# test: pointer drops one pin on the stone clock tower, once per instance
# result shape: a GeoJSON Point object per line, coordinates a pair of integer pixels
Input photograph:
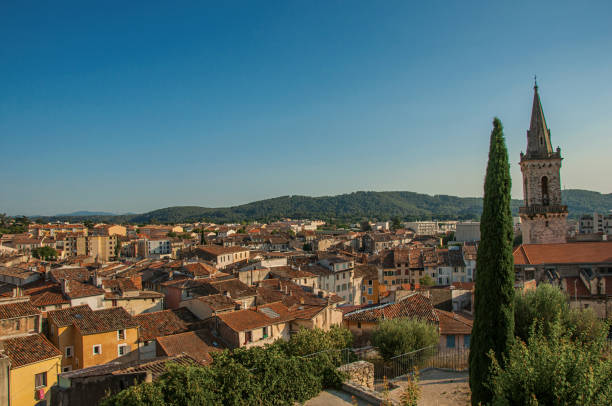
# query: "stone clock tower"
{"type": "Point", "coordinates": [543, 217]}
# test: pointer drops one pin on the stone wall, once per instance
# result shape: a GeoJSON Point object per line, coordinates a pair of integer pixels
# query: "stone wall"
{"type": "Point", "coordinates": [360, 373]}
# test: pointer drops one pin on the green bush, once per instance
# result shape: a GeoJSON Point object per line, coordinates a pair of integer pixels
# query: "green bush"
{"type": "Point", "coordinates": [553, 369]}
{"type": "Point", "coordinates": [398, 336]}
{"type": "Point", "coordinates": [548, 305]}
{"type": "Point", "coordinates": [276, 374]}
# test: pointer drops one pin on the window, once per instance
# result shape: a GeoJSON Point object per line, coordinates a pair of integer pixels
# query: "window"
{"type": "Point", "coordinates": [248, 337]}
{"type": "Point", "coordinates": [97, 349]}
{"type": "Point", "coordinates": [68, 351]}
{"type": "Point", "coordinates": [369, 291]}
{"type": "Point", "coordinates": [122, 349]}
{"type": "Point", "coordinates": [66, 368]}
{"type": "Point", "coordinates": [466, 341]}
{"type": "Point", "coordinates": [18, 325]}
{"type": "Point", "coordinates": [264, 332]}
{"type": "Point", "coordinates": [358, 324]}
{"type": "Point", "coordinates": [450, 341]}
{"type": "Point", "coordinates": [40, 380]}
{"type": "Point", "coordinates": [120, 334]}
{"type": "Point", "coordinates": [370, 282]}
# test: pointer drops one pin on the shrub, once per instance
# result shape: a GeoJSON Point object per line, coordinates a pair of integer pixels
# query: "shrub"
{"type": "Point", "coordinates": [398, 336]}
{"type": "Point", "coordinates": [548, 305]}
{"type": "Point", "coordinates": [276, 374]}
{"type": "Point", "coordinates": [412, 391]}
{"type": "Point", "coordinates": [553, 369]}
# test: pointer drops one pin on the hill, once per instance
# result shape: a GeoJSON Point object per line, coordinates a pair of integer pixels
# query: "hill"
{"type": "Point", "coordinates": [348, 207]}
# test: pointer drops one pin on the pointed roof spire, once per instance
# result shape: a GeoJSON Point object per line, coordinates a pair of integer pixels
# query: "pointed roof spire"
{"type": "Point", "coordinates": [538, 135]}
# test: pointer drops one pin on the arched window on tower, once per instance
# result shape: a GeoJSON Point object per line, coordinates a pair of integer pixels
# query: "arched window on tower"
{"type": "Point", "coordinates": [545, 200]}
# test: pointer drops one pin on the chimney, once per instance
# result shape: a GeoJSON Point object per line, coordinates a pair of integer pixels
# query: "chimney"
{"type": "Point", "coordinates": [65, 286]}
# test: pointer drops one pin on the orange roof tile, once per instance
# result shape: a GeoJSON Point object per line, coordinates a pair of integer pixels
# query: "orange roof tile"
{"type": "Point", "coordinates": [567, 253]}
{"type": "Point", "coordinates": [25, 350]}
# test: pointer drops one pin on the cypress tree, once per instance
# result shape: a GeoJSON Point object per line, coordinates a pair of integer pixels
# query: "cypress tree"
{"type": "Point", "coordinates": [494, 295]}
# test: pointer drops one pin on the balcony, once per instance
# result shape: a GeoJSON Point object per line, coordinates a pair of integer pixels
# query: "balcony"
{"type": "Point", "coordinates": [532, 210]}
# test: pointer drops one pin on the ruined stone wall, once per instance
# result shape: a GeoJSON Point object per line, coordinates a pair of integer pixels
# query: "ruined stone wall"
{"type": "Point", "coordinates": [360, 373]}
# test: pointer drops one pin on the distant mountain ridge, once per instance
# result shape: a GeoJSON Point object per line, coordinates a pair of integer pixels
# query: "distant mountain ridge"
{"type": "Point", "coordinates": [352, 207]}
{"type": "Point", "coordinates": [85, 213]}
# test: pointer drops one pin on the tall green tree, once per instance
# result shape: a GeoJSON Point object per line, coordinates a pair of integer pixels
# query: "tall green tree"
{"type": "Point", "coordinates": [494, 296]}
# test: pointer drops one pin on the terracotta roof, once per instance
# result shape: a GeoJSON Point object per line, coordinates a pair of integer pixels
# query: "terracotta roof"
{"type": "Point", "coordinates": [19, 309]}
{"type": "Point", "coordinates": [200, 269]}
{"type": "Point", "coordinates": [156, 366]}
{"type": "Point", "coordinates": [120, 284]}
{"type": "Point", "coordinates": [234, 287]}
{"type": "Point", "coordinates": [268, 314]}
{"type": "Point", "coordinates": [16, 272]}
{"type": "Point", "coordinates": [29, 349]}
{"type": "Point", "coordinates": [454, 323]}
{"type": "Point", "coordinates": [77, 290]}
{"type": "Point", "coordinates": [219, 302]}
{"type": "Point", "coordinates": [79, 274]}
{"type": "Point", "coordinates": [413, 306]}
{"type": "Point", "coordinates": [219, 250]}
{"type": "Point", "coordinates": [197, 344]}
{"type": "Point", "coordinates": [93, 322]}
{"type": "Point", "coordinates": [48, 298]}
{"type": "Point", "coordinates": [566, 253]}
{"type": "Point", "coordinates": [464, 285]}
{"type": "Point", "coordinates": [65, 317]}
{"type": "Point", "coordinates": [163, 323]}
{"type": "Point", "coordinates": [101, 321]}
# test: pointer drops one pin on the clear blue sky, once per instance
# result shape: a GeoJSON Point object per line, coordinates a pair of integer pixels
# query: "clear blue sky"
{"type": "Point", "coordinates": [127, 107]}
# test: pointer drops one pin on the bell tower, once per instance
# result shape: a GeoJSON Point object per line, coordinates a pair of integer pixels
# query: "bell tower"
{"type": "Point", "coordinates": [543, 217]}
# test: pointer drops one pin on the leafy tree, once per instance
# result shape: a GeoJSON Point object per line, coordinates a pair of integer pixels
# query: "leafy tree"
{"type": "Point", "coordinates": [171, 234]}
{"type": "Point", "coordinates": [365, 226]}
{"type": "Point", "coordinates": [88, 223]}
{"type": "Point", "coordinates": [426, 281]}
{"type": "Point", "coordinates": [394, 337]}
{"type": "Point", "coordinates": [396, 223]}
{"type": "Point", "coordinates": [553, 369]}
{"type": "Point", "coordinates": [494, 296]}
{"type": "Point", "coordinates": [547, 305]}
{"type": "Point", "coordinates": [307, 247]}
{"type": "Point", "coordinates": [44, 253]}
{"type": "Point", "coordinates": [270, 375]}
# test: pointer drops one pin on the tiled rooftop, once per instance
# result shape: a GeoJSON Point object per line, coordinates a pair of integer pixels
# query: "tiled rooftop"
{"type": "Point", "coordinates": [29, 349]}
{"type": "Point", "coordinates": [414, 306]}
{"type": "Point", "coordinates": [567, 253]}
{"type": "Point", "coordinates": [165, 322]}
{"type": "Point", "coordinates": [197, 344]}
{"type": "Point", "coordinates": [19, 309]}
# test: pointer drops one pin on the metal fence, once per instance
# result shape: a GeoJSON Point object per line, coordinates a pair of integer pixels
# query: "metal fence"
{"type": "Point", "coordinates": [436, 356]}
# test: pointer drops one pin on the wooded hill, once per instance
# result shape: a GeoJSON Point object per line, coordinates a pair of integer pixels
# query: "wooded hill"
{"type": "Point", "coordinates": [350, 207]}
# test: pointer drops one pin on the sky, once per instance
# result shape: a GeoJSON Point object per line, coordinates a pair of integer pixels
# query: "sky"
{"type": "Point", "coordinates": [133, 106]}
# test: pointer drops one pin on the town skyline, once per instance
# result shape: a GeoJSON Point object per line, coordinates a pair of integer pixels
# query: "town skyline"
{"type": "Point", "coordinates": [241, 104]}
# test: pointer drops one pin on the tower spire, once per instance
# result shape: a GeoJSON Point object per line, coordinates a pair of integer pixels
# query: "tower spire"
{"type": "Point", "coordinates": [538, 135]}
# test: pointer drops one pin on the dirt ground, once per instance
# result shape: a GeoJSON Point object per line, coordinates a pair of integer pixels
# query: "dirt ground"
{"type": "Point", "coordinates": [440, 388]}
